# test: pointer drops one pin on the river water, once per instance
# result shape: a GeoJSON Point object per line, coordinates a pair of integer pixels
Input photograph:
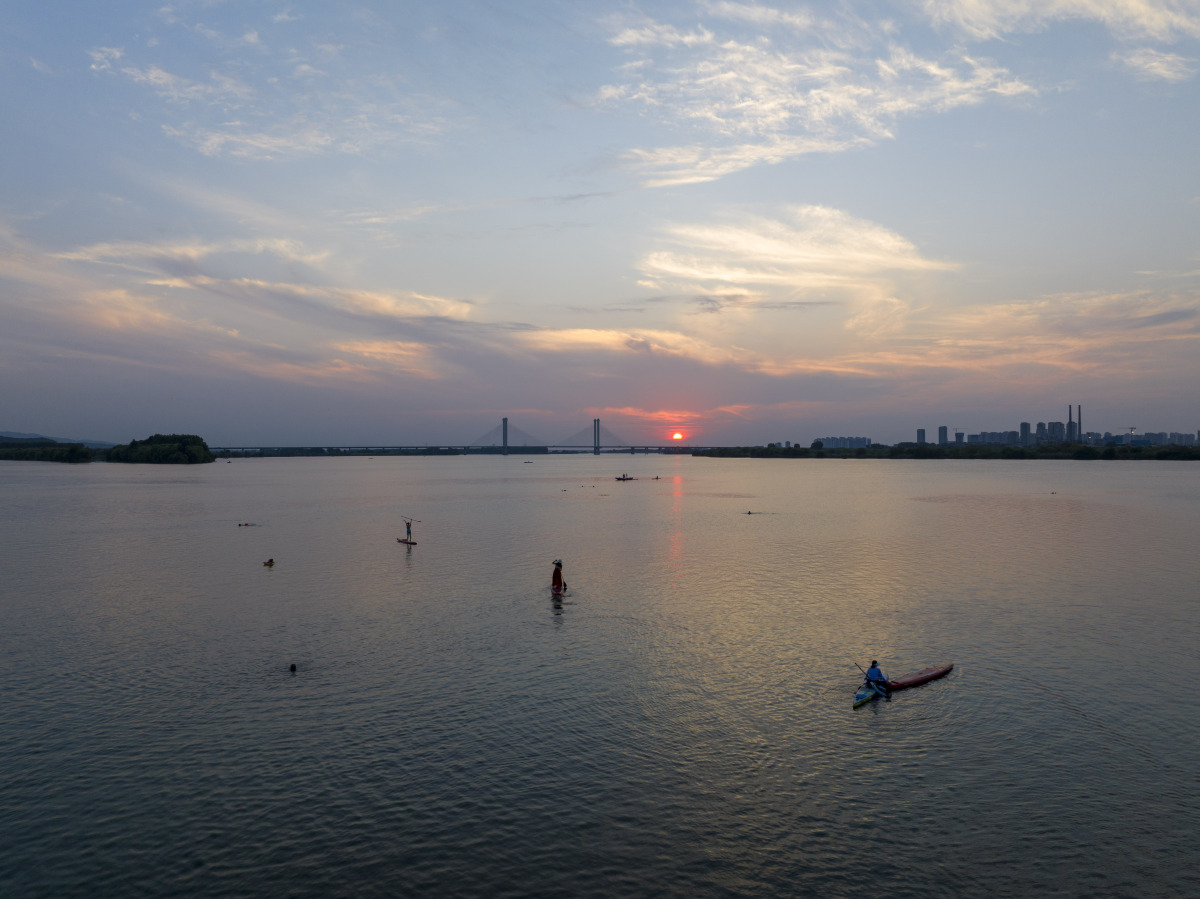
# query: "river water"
{"type": "Point", "coordinates": [679, 724]}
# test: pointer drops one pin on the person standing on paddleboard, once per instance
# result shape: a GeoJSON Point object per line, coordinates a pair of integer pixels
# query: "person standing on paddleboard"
{"type": "Point", "coordinates": [877, 677]}
{"type": "Point", "coordinates": [408, 529]}
{"type": "Point", "coordinates": [556, 579]}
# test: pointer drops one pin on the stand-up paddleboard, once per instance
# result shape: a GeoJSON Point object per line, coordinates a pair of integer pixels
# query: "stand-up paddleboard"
{"type": "Point", "coordinates": [409, 542]}
{"type": "Point", "coordinates": [924, 676]}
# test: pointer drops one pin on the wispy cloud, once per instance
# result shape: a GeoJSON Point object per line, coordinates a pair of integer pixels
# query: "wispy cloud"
{"type": "Point", "coordinates": [219, 88]}
{"type": "Point", "coordinates": [810, 247]}
{"type": "Point", "coordinates": [659, 343]}
{"type": "Point", "coordinates": [764, 101]}
{"type": "Point", "coordinates": [1130, 334]}
{"type": "Point", "coordinates": [1130, 19]}
{"type": "Point", "coordinates": [398, 357]}
{"type": "Point", "coordinates": [667, 166]}
{"type": "Point", "coordinates": [655, 34]}
{"type": "Point", "coordinates": [295, 139]}
{"type": "Point", "coordinates": [1154, 65]}
{"type": "Point", "coordinates": [768, 16]}
{"type": "Point", "coordinates": [104, 57]}
{"type": "Point", "coordinates": [204, 267]}
{"type": "Point", "coordinates": [240, 97]}
{"type": "Point", "coordinates": [155, 257]}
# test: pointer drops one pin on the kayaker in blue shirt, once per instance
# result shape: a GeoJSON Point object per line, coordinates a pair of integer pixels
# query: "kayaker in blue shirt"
{"type": "Point", "coordinates": [877, 677]}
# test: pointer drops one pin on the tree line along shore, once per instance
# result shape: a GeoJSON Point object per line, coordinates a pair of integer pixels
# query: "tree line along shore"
{"type": "Point", "coordinates": [159, 449]}
{"type": "Point", "coordinates": [970, 451]}
{"type": "Point", "coordinates": [189, 449]}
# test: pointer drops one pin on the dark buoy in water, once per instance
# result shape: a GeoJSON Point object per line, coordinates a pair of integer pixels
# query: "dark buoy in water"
{"type": "Point", "coordinates": [270, 563]}
{"type": "Point", "coordinates": [293, 667]}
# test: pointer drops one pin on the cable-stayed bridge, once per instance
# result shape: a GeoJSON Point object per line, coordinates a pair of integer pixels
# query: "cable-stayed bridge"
{"type": "Point", "coordinates": [597, 437]}
{"type": "Point", "coordinates": [500, 440]}
{"type": "Point", "coordinates": [516, 437]}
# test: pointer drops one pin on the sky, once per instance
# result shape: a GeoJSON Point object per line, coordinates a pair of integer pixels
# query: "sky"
{"type": "Point", "coordinates": [395, 223]}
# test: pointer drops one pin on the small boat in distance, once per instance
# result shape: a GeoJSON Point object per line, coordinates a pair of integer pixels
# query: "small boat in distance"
{"type": "Point", "coordinates": [626, 477]}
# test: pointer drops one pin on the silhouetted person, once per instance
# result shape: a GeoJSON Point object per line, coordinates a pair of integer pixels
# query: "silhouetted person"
{"type": "Point", "coordinates": [877, 678]}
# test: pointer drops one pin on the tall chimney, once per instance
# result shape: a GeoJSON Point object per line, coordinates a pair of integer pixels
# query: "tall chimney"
{"type": "Point", "coordinates": [1079, 420]}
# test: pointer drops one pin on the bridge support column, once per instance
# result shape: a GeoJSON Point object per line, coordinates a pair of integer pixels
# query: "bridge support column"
{"type": "Point", "coordinates": [504, 429]}
{"type": "Point", "coordinates": [595, 436]}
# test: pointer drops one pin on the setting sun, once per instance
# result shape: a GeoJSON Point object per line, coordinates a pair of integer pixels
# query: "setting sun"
{"type": "Point", "coordinates": [676, 436]}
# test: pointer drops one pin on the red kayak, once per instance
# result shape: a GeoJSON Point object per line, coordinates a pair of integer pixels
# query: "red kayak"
{"type": "Point", "coordinates": [920, 677]}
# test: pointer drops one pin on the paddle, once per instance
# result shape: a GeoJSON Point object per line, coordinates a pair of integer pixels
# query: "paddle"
{"type": "Point", "coordinates": [885, 692]}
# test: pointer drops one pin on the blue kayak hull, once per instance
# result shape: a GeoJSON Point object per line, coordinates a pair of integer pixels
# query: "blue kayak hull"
{"type": "Point", "coordinates": [866, 694]}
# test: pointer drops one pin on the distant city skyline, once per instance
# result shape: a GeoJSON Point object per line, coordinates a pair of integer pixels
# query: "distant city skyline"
{"type": "Point", "coordinates": [282, 223]}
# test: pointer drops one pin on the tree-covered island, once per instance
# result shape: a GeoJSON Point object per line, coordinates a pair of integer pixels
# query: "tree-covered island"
{"type": "Point", "coordinates": [163, 449]}
{"type": "Point", "coordinates": [160, 449]}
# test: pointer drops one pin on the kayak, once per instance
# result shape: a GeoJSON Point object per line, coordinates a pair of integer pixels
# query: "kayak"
{"type": "Point", "coordinates": [867, 692]}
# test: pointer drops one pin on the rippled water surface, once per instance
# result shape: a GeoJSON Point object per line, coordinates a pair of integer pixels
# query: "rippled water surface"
{"type": "Point", "coordinates": [679, 724]}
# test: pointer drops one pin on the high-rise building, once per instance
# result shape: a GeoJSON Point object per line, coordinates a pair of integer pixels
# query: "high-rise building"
{"type": "Point", "coordinates": [1026, 436]}
{"type": "Point", "coordinates": [943, 437]}
{"type": "Point", "coordinates": [845, 442]}
{"type": "Point", "coordinates": [920, 435]}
